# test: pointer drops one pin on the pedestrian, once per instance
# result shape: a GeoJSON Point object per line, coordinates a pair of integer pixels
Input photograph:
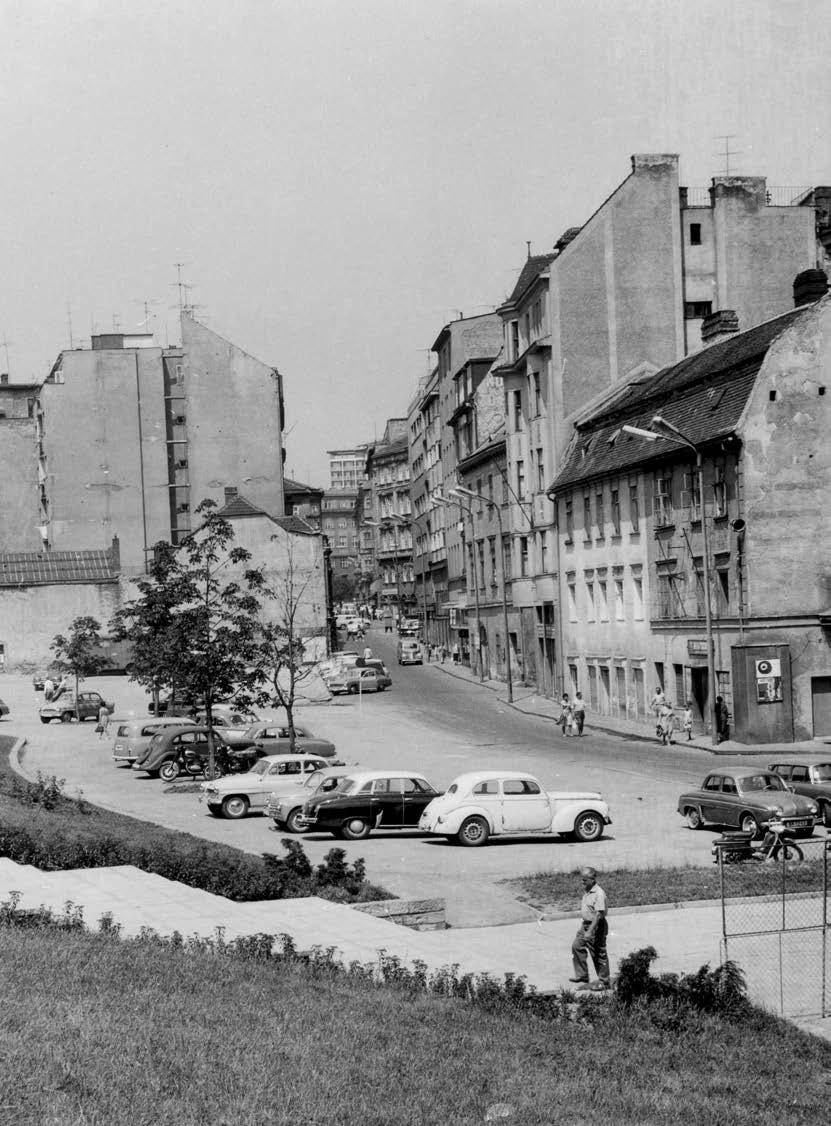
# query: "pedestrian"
{"type": "Point", "coordinates": [103, 721]}
{"type": "Point", "coordinates": [656, 703]}
{"type": "Point", "coordinates": [578, 711]}
{"type": "Point", "coordinates": [666, 722]}
{"type": "Point", "coordinates": [443, 653]}
{"type": "Point", "coordinates": [687, 722]}
{"type": "Point", "coordinates": [722, 720]}
{"type": "Point", "coordinates": [48, 688]}
{"type": "Point", "coordinates": [367, 653]}
{"type": "Point", "coordinates": [591, 935]}
{"type": "Point", "coordinates": [565, 714]}
{"type": "Point", "coordinates": [455, 652]}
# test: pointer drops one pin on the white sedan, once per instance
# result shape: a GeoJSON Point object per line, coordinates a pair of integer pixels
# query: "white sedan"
{"type": "Point", "coordinates": [235, 794]}
{"type": "Point", "coordinates": [491, 803]}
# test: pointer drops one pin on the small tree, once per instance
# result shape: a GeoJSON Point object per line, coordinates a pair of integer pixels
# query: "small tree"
{"type": "Point", "coordinates": [282, 666]}
{"type": "Point", "coordinates": [79, 653]}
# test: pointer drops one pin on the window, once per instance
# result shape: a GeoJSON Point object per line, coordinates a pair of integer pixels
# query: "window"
{"type": "Point", "coordinates": [492, 554]}
{"type": "Point", "coordinates": [537, 396]}
{"type": "Point", "coordinates": [634, 507]}
{"type": "Point", "coordinates": [589, 600]}
{"type": "Point", "coordinates": [572, 600]}
{"type": "Point", "coordinates": [543, 552]}
{"type": "Point", "coordinates": [507, 568]}
{"type": "Point", "coordinates": [587, 516]}
{"type": "Point", "coordinates": [680, 690]}
{"type": "Point", "coordinates": [615, 512]}
{"type": "Point", "coordinates": [540, 470]}
{"type": "Point", "coordinates": [514, 340]}
{"type": "Point", "coordinates": [691, 495]}
{"type": "Point", "coordinates": [490, 488]}
{"type": "Point", "coordinates": [491, 787]}
{"type": "Point", "coordinates": [666, 593]}
{"type": "Point", "coordinates": [697, 310]}
{"type": "Point", "coordinates": [719, 489]}
{"type": "Point", "coordinates": [603, 600]}
{"type": "Point", "coordinates": [517, 411]}
{"type": "Point", "coordinates": [663, 499]}
{"type": "Point", "coordinates": [522, 786]}
{"type": "Point", "coordinates": [520, 479]}
{"type": "Point", "coordinates": [523, 555]}
{"type": "Point", "coordinates": [480, 552]}
{"type": "Point", "coordinates": [569, 521]}
{"type": "Point", "coordinates": [723, 590]}
{"type": "Point", "coordinates": [618, 600]}
{"type": "Point", "coordinates": [698, 568]}
{"type": "Point", "coordinates": [600, 513]}
{"type": "Point", "coordinates": [695, 234]}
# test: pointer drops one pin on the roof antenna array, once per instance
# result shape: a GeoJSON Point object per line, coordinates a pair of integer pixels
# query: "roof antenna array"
{"type": "Point", "coordinates": [727, 138]}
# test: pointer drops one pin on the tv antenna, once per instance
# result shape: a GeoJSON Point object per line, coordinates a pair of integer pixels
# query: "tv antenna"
{"type": "Point", "coordinates": [149, 316]}
{"type": "Point", "coordinates": [180, 285]}
{"type": "Point", "coordinates": [728, 152]}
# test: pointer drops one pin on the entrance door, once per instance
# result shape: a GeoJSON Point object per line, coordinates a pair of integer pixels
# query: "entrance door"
{"type": "Point", "coordinates": [698, 686]}
{"type": "Point", "coordinates": [821, 700]}
{"type": "Point", "coordinates": [605, 694]}
{"type": "Point", "coordinates": [620, 690]}
{"type": "Point", "coordinates": [639, 692]}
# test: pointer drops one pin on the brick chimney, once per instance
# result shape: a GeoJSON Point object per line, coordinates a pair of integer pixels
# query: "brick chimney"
{"type": "Point", "coordinates": [809, 286]}
{"type": "Point", "coordinates": [230, 493]}
{"type": "Point", "coordinates": [719, 326]}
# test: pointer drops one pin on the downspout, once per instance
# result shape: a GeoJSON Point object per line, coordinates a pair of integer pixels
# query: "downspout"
{"type": "Point", "coordinates": [141, 459]}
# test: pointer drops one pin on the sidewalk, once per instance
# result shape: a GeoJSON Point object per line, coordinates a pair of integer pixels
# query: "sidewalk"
{"type": "Point", "coordinates": [528, 700]}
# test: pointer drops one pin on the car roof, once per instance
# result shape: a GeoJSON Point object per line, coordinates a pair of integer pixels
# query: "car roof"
{"type": "Point", "coordinates": [474, 776]}
{"type": "Point", "coordinates": [290, 758]}
{"type": "Point", "coordinates": [393, 772]}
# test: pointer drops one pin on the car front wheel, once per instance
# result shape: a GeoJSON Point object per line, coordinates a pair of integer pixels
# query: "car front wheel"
{"type": "Point", "coordinates": [474, 832]}
{"type": "Point", "coordinates": [45, 719]}
{"type": "Point", "coordinates": [694, 820]}
{"type": "Point", "coordinates": [295, 822]}
{"type": "Point", "coordinates": [66, 717]}
{"type": "Point", "coordinates": [235, 807]}
{"type": "Point", "coordinates": [588, 826]}
{"type": "Point", "coordinates": [355, 829]}
{"type": "Point", "coordinates": [748, 824]}
{"type": "Point", "coordinates": [169, 771]}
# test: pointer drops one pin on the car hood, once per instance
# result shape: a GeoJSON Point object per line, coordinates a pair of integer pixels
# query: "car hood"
{"type": "Point", "coordinates": [233, 783]}
{"type": "Point", "coordinates": [792, 805]}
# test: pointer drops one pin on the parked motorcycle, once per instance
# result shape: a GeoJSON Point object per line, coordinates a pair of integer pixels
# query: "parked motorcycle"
{"type": "Point", "coordinates": [775, 845]}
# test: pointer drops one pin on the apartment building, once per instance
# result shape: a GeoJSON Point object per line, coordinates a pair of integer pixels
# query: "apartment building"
{"type": "Point", "coordinates": [387, 515]}
{"type": "Point", "coordinates": [347, 468]}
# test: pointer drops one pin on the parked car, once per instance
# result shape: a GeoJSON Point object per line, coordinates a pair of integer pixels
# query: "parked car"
{"type": "Point", "coordinates": [233, 723]}
{"type": "Point", "coordinates": [68, 707]}
{"type": "Point", "coordinates": [746, 800]}
{"type": "Point", "coordinates": [183, 705]}
{"type": "Point", "coordinates": [409, 627]}
{"type": "Point", "coordinates": [410, 652]}
{"type": "Point", "coordinates": [367, 800]}
{"type": "Point", "coordinates": [486, 803]}
{"type": "Point", "coordinates": [274, 739]}
{"type": "Point", "coordinates": [132, 736]}
{"type": "Point", "coordinates": [236, 794]}
{"type": "Point", "coordinates": [357, 680]}
{"type": "Point", "coordinates": [4, 709]}
{"type": "Point", "coordinates": [812, 780]}
{"type": "Point", "coordinates": [286, 807]}
{"type": "Point", "coordinates": [178, 750]}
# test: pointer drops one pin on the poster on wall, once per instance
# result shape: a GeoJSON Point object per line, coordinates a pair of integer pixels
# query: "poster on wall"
{"type": "Point", "coordinates": [769, 681]}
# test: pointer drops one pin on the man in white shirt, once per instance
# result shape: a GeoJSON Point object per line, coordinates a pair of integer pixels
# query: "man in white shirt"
{"type": "Point", "coordinates": [591, 936]}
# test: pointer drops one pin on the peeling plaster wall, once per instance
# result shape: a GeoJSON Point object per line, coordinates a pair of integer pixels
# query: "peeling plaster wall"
{"type": "Point", "coordinates": [31, 616]}
{"type": "Point", "coordinates": [19, 493]}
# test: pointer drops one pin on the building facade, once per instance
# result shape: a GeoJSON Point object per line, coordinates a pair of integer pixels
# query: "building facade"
{"type": "Point", "coordinates": [339, 526]}
{"type": "Point", "coordinates": [386, 516]}
{"type": "Point", "coordinates": [347, 467]}
{"type": "Point", "coordinates": [644, 549]}
{"type": "Point", "coordinates": [304, 501]}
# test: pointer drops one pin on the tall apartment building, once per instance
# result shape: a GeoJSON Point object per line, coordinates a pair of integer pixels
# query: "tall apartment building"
{"type": "Point", "coordinates": [347, 468]}
{"type": "Point", "coordinates": [386, 513]}
{"type": "Point", "coordinates": [339, 525]}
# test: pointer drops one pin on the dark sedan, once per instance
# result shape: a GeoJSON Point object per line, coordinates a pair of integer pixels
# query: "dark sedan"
{"type": "Point", "coordinates": [367, 800]}
{"type": "Point", "coordinates": [176, 751]}
{"type": "Point", "coordinates": [812, 780]}
{"type": "Point", "coordinates": [274, 739]}
{"type": "Point", "coordinates": [747, 800]}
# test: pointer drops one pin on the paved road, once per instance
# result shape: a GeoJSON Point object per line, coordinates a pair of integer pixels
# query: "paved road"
{"type": "Point", "coordinates": [441, 726]}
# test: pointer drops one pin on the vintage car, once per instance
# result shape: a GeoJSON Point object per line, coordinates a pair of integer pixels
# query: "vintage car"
{"type": "Point", "coordinates": [233, 723]}
{"type": "Point", "coordinates": [747, 800]}
{"type": "Point", "coordinates": [236, 794]}
{"type": "Point", "coordinates": [409, 627]}
{"type": "Point", "coordinates": [274, 739]}
{"type": "Point", "coordinates": [812, 780]}
{"type": "Point", "coordinates": [366, 678]}
{"type": "Point", "coordinates": [410, 652]}
{"type": "Point", "coordinates": [489, 803]}
{"type": "Point", "coordinates": [178, 750]}
{"type": "Point", "coordinates": [68, 706]}
{"type": "Point", "coordinates": [286, 807]}
{"type": "Point", "coordinates": [369, 799]}
{"type": "Point", "coordinates": [132, 736]}
{"type": "Point", "coordinates": [4, 709]}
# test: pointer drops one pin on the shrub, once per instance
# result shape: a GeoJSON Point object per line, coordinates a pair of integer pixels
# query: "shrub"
{"type": "Point", "coordinates": [719, 990]}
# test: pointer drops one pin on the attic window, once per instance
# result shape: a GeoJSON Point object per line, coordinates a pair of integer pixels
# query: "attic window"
{"type": "Point", "coordinates": [716, 397]}
{"type": "Point", "coordinates": [772, 396]}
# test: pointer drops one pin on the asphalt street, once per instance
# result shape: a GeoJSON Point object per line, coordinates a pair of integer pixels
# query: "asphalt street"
{"type": "Point", "coordinates": [432, 723]}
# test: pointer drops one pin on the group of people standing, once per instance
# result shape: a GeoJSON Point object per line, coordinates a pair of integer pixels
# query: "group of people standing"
{"type": "Point", "coordinates": [573, 714]}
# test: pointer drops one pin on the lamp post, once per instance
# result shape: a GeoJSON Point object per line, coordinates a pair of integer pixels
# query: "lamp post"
{"type": "Point", "coordinates": [463, 492]}
{"type": "Point", "coordinates": [666, 430]}
{"type": "Point", "coordinates": [467, 508]}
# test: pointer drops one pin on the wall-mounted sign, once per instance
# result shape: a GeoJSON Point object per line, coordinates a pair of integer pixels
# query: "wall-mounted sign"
{"type": "Point", "coordinates": [769, 681]}
{"type": "Point", "coordinates": [696, 648]}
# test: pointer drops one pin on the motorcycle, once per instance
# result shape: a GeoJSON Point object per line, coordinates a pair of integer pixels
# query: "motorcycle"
{"type": "Point", "coordinates": [776, 844]}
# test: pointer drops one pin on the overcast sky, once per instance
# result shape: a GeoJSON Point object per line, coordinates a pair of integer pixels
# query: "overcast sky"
{"type": "Point", "coordinates": [340, 178]}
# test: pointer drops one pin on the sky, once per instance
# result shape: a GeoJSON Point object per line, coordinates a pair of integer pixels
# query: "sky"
{"type": "Point", "coordinates": [341, 178]}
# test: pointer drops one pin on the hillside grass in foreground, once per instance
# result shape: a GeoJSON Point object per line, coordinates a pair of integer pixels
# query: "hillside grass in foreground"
{"type": "Point", "coordinates": [99, 1031]}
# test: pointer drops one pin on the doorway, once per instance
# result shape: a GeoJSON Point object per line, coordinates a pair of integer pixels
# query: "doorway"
{"type": "Point", "coordinates": [700, 695]}
{"type": "Point", "coordinates": [821, 704]}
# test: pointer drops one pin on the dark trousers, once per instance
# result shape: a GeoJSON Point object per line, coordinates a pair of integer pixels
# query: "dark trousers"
{"type": "Point", "coordinates": [596, 946]}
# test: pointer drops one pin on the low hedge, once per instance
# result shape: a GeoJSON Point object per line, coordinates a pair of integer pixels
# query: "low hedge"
{"type": "Point", "coordinates": [41, 826]}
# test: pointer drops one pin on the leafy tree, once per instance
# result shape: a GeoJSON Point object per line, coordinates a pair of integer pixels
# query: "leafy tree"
{"type": "Point", "coordinates": [79, 653]}
{"type": "Point", "coordinates": [282, 666]}
{"type": "Point", "coordinates": [345, 587]}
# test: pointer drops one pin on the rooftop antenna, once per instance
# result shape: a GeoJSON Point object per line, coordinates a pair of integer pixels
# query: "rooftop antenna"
{"type": "Point", "coordinates": [69, 323]}
{"type": "Point", "coordinates": [149, 316]}
{"type": "Point", "coordinates": [179, 284]}
{"type": "Point", "coordinates": [4, 344]}
{"type": "Point", "coordinates": [727, 138]}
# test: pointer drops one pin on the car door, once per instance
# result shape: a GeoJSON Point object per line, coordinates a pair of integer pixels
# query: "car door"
{"type": "Point", "coordinates": [417, 796]}
{"type": "Point", "coordinates": [281, 776]}
{"type": "Point", "coordinates": [800, 781]}
{"type": "Point", "coordinates": [386, 803]}
{"type": "Point", "coordinates": [728, 806]}
{"type": "Point", "coordinates": [711, 795]}
{"type": "Point", "coordinates": [525, 808]}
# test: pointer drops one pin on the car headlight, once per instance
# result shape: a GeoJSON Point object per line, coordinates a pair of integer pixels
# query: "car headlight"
{"type": "Point", "coordinates": [813, 807]}
{"type": "Point", "coordinates": [440, 819]}
{"type": "Point", "coordinates": [210, 789]}
{"type": "Point", "coordinates": [776, 809]}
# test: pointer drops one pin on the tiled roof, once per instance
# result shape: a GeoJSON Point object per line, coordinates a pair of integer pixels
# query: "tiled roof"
{"type": "Point", "coordinates": [703, 395]}
{"type": "Point", "coordinates": [239, 506]}
{"type": "Point", "coordinates": [290, 486]}
{"type": "Point", "coordinates": [295, 524]}
{"type": "Point", "coordinates": [532, 269]}
{"type": "Point", "coordinates": [40, 568]}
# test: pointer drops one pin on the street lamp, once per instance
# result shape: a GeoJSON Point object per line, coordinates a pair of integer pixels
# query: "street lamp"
{"type": "Point", "coordinates": [467, 508]}
{"type": "Point", "coordinates": [463, 492]}
{"type": "Point", "coordinates": [672, 434]}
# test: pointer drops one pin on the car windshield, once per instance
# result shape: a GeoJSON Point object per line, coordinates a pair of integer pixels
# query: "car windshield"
{"type": "Point", "coordinates": [822, 772]}
{"type": "Point", "coordinates": [754, 783]}
{"type": "Point", "coordinates": [261, 767]}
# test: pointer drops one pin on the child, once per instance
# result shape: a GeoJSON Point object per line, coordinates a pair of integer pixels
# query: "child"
{"type": "Point", "coordinates": [688, 720]}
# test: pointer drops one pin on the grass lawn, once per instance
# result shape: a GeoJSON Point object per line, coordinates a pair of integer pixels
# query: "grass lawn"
{"type": "Point", "coordinates": [97, 1030]}
{"type": "Point", "coordinates": [633, 887]}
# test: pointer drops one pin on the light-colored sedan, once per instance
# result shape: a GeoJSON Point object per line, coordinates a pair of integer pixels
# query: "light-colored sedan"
{"type": "Point", "coordinates": [492, 803]}
{"type": "Point", "coordinates": [236, 794]}
{"type": "Point", "coordinates": [286, 807]}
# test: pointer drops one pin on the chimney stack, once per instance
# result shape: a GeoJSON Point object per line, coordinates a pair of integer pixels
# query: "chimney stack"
{"type": "Point", "coordinates": [230, 493]}
{"type": "Point", "coordinates": [4, 378]}
{"type": "Point", "coordinates": [719, 326]}
{"type": "Point", "coordinates": [809, 286]}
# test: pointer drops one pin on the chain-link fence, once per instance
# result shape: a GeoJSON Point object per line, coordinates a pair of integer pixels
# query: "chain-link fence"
{"type": "Point", "coordinates": [776, 922]}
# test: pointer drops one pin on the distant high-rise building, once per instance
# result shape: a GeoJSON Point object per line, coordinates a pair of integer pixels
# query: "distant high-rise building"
{"type": "Point", "coordinates": [347, 468]}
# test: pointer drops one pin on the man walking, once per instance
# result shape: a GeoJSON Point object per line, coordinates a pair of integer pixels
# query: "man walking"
{"type": "Point", "coordinates": [578, 711]}
{"type": "Point", "coordinates": [591, 937]}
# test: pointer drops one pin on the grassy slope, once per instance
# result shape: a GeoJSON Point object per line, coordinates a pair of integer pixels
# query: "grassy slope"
{"type": "Point", "coordinates": [99, 1031]}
